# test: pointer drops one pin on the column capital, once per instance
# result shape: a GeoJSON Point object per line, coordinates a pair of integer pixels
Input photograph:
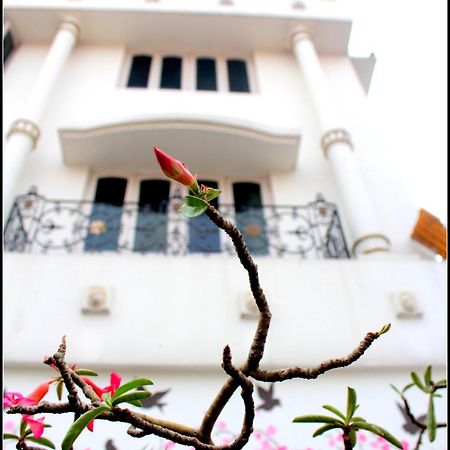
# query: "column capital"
{"type": "Point", "coordinates": [27, 127]}
{"type": "Point", "coordinates": [298, 34]}
{"type": "Point", "coordinates": [371, 243]}
{"type": "Point", "coordinates": [70, 24]}
{"type": "Point", "coordinates": [333, 136]}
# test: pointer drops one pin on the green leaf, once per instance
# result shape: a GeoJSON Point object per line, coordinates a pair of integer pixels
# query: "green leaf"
{"type": "Point", "coordinates": [353, 437]}
{"type": "Point", "coordinates": [10, 436]}
{"type": "Point", "coordinates": [59, 389]}
{"type": "Point", "coordinates": [86, 372]}
{"type": "Point", "coordinates": [334, 410]}
{"type": "Point", "coordinates": [131, 396]}
{"type": "Point", "coordinates": [138, 382]}
{"type": "Point", "coordinates": [23, 428]}
{"type": "Point", "coordinates": [358, 419]}
{"type": "Point", "coordinates": [408, 386]}
{"type": "Point", "coordinates": [79, 425]}
{"type": "Point", "coordinates": [211, 194]}
{"type": "Point", "coordinates": [441, 384]}
{"type": "Point", "coordinates": [375, 429]}
{"type": "Point", "coordinates": [324, 429]}
{"type": "Point", "coordinates": [384, 329]}
{"type": "Point", "coordinates": [135, 403]}
{"type": "Point", "coordinates": [43, 441]}
{"type": "Point", "coordinates": [431, 420]}
{"type": "Point", "coordinates": [316, 418]}
{"type": "Point", "coordinates": [418, 382]}
{"type": "Point", "coordinates": [193, 206]}
{"type": "Point", "coordinates": [427, 376]}
{"type": "Point", "coordinates": [351, 403]}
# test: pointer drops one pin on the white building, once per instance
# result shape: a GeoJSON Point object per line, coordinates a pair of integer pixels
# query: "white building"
{"type": "Point", "coordinates": [262, 98]}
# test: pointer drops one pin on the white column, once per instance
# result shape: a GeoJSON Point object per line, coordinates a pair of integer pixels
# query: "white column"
{"type": "Point", "coordinates": [24, 133]}
{"type": "Point", "coordinates": [338, 148]}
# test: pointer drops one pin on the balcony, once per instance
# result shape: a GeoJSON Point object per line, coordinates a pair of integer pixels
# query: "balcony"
{"type": "Point", "coordinates": [40, 225]}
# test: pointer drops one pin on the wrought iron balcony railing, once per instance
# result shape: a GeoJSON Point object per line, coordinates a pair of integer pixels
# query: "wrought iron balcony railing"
{"type": "Point", "coordinates": [40, 225]}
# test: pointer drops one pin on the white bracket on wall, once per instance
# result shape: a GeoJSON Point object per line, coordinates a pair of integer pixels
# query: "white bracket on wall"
{"type": "Point", "coordinates": [406, 305]}
{"type": "Point", "coordinates": [248, 307]}
{"type": "Point", "coordinates": [98, 300]}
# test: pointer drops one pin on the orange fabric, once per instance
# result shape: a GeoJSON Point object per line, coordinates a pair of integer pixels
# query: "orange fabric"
{"type": "Point", "coordinates": [431, 233]}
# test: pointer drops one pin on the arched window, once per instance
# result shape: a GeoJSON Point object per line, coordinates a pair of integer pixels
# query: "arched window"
{"type": "Point", "coordinates": [250, 216]}
{"type": "Point", "coordinates": [171, 73]}
{"type": "Point", "coordinates": [139, 72]}
{"type": "Point", "coordinates": [206, 74]}
{"type": "Point", "coordinates": [237, 75]}
{"type": "Point", "coordinates": [106, 215]}
{"type": "Point", "coordinates": [8, 45]}
{"type": "Point", "coordinates": [151, 226]}
{"type": "Point", "coordinates": [203, 234]}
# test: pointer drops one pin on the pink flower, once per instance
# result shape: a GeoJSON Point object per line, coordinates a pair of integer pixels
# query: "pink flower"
{"type": "Point", "coordinates": [222, 425]}
{"type": "Point", "coordinates": [98, 390]}
{"type": "Point", "coordinates": [36, 425]}
{"type": "Point", "coordinates": [172, 168]}
{"type": "Point", "coordinates": [16, 398]}
{"type": "Point", "coordinates": [361, 436]}
{"type": "Point", "coordinates": [271, 430]}
{"type": "Point", "coordinates": [10, 426]}
{"type": "Point", "coordinates": [405, 445]}
{"type": "Point", "coordinates": [169, 445]}
{"type": "Point", "coordinates": [114, 383]}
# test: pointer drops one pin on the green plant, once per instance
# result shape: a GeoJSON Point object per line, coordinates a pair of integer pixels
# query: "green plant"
{"type": "Point", "coordinates": [348, 423]}
{"type": "Point", "coordinates": [429, 387]}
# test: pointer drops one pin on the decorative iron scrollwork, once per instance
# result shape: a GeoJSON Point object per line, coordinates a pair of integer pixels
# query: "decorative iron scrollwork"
{"type": "Point", "coordinates": [40, 225]}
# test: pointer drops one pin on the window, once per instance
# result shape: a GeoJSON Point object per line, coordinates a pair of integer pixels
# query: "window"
{"type": "Point", "coordinates": [151, 227]}
{"type": "Point", "coordinates": [250, 216]}
{"type": "Point", "coordinates": [139, 72]}
{"type": "Point", "coordinates": [206, 74]}
{"type": "Point", "coordinates": [171, 73]}
{"type": "Point", "coordinates": [106, 215]}
{"type": "Point", "coordinates": [8, 45]}
{"type": "Point", "coordinates": [237, 75]}
{"type": "Point", "coordinates": [190, 73]}
{"type": "Point", "coordinates": [203, 234]}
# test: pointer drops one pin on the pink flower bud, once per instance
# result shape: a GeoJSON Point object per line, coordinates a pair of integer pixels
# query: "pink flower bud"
{"type": "Point", "coordinates": [172, 168]}
{"type": "Point", "coordinates": [38, 394]}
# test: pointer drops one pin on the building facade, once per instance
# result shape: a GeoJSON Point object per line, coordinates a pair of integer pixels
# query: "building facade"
{"type": "Point", "coordinates": [262, 100]}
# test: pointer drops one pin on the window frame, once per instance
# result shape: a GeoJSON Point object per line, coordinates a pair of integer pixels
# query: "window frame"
{"type": "Point", "coordinates": [189, 71]}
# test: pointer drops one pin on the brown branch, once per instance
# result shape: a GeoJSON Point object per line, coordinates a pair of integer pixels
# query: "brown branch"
{"type": "Point", "coordinates": [58, 360]}
{"type": "Point", "coordinates": [87, 390]}
{"type": "Point", "coordinates": [46, 407]}
{"type": "Point", "coordinates": [247, 391]}
{"type": "Point", "coordinates": [311, 373]}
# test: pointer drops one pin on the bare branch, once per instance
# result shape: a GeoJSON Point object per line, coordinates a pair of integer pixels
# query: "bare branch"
{"type": "Point", "coordinates": [299, 372]}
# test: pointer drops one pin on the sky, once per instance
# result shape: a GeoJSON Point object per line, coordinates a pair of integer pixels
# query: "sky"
{"type": "Point", "coordinates": [408, 93]}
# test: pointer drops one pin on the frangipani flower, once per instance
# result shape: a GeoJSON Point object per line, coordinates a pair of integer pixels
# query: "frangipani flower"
{"type": "Point", "coordinates": [36, 425]}
{"type": "Point", "coordinates": [172, 168]}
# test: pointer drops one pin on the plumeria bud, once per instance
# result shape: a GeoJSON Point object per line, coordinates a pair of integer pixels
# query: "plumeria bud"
{"type": "Point", "coordinates": [172, 168]}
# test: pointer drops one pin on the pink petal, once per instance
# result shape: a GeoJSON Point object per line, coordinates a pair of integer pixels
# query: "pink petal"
{"type": "Point", "coordinates": [271, 430]}
{"type": "Point", "coordinates": [222, 425]}
{"type": "Point", "coordinates": [405, 445]}
{"type": "Point", "coordinates": [169, 445]}
{"type": "Point", "coordinates": [115, 380]}
{"type": "Point", "coordinates": [36, 426]}
{"type": "Point", "coordinates": [90, 426]}
{"type": "Point", "coordinates": [10, 426]}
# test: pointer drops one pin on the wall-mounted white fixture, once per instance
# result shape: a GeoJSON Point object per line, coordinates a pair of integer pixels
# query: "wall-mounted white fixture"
{"type": "Point", "coordinates": [98, 300]}
{"type": "Point", "coordinates": [248, 307]}
{"type": "Point", "coordinates": [406, 305]}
